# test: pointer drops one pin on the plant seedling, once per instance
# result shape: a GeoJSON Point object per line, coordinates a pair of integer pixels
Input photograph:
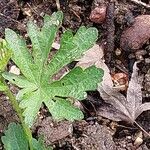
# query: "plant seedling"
{"type": "Point", "coordinates": [36, 80]}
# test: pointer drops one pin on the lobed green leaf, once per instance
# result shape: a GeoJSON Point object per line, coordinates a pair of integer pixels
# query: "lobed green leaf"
{"type": "Point", "coordinates": [2, 87]}
{"type": "Point", "coordinates": [43, 38]}
{"type": "Point", "coordinates": [21, 55]}
{"type": "Point", "coordinates": [5, 54]}
{"type": "Point", "coordinates": [63, 109]}
{"type": "Point", "coordinates": [15, 138]}
{"type": "Point", "coordinates": [72, 47]}
{"type": "Point", "coordinates": [36, 83]}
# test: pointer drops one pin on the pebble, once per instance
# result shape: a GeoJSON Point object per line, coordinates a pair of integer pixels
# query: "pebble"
{"type": "Point", "coordinates": [139, 139]}
{"type": "Point", "coordinates": [135, 36]}
{"type": "Point", "coordinates": [98, 14]}
{"type": "Point", "coordinates": [147, 60]}
{"type": "Point", "coordinates": [14, 70]}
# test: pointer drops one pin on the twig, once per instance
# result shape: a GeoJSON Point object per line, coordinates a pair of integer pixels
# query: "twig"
{"type": "Point", "coordinates": [141, 3]}
{"type": "Point", "coordinates": [142, 128]}
{"type": "Point", "coordinates": [58, 4]}
{"type": "Point", "coordinates": [76, 15]}
{"type": "Point", "coordinates": [33, 10]}
{"type": "Point", "coordinates": [110, 34]}
{"type": "Point", "coordinates": [131, 128]}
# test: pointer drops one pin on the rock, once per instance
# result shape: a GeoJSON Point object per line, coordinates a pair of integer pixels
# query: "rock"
{"type": "Point", "coordinates": [15, 70]}
{"type": "Point", "coordinates": [139, 139]}
{"type": "Point", "coordinates": [98, 14]}
{"type": "Point", "coordinates": [137, 34]}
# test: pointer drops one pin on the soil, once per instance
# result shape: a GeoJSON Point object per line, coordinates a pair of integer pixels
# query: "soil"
{"type": "Point", "coordinates": [94, 132]}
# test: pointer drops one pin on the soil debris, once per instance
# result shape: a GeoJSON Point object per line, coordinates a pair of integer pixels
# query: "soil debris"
{"type": "Point", "coordinates": [95, 137]}
{"type": "Point", "coordinates": [7, 114]}
{"type": "Point", "coordinates": [9, 12]}
{"type": "Point", "coordinates": [53, 132]}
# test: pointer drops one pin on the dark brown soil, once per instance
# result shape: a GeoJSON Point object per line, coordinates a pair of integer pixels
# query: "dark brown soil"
{"type": "Point", "coordinates": [94, 132]}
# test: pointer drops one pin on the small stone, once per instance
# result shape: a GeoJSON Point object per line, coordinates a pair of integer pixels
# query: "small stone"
{"type": "Point", "coordinates": [135, 36]}
{"type": "Point", "coordinates": [118, 52]}
{"type": "Point", "coordinates": [129, 137]}
{"type": "Point", "coordinates": [14, 70]}
{"type": "Point", "coordinates": [139, 139]}
{"type": "Point", "coordinates": [56, 45]}
{"type": "Point", "coordinates": [98, 14]}
{"type": "Point", "coordinates": [147, 60]}
{"type": "Point", "coordinates": [7, 97]}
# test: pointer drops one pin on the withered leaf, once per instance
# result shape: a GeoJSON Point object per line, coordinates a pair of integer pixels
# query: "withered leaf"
{"type": "Point", "coordinates": [95, 56]}
{"type": "Point", "coordinates": [130, 107]}
{"type": "Point", "coordinates": [117, 106]}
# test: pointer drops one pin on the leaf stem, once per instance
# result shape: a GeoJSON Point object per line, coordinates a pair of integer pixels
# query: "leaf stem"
{"type": "Point", "coordinates": [18, 110]}
{"type": "Point", "coordinates": [142, 128]}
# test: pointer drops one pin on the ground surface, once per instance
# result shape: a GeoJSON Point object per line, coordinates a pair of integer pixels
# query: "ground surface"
{"type": "Point", "coordinates": [94, 132]}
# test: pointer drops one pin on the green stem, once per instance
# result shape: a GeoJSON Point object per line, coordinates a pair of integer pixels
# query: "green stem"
{"type": "Point", "coordinates": [16, 107]}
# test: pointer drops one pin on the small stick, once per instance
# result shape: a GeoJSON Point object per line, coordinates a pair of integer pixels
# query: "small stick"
{"type": "Point", "coordinates": [33, 9]}
{"type": "Point", "coordinates": [142, 128]}
{"type": "Point", "coordinates": [110, 33]}
{"type": "Point", "coordinates": [141, 3]}
{"type": "Point", "coordinates": [58, 4]}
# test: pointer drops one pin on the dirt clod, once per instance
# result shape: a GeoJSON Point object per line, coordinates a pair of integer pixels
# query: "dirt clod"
{"type": "Point", "coordinates": [136, 35]}
{"type": "Point", "coordinates": [53, 132]}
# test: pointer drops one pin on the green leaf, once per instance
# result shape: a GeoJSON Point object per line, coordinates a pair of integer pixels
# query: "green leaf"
{"type": "Point", "coordinates": [31, 103]}
{"type": "Point", "coordinates": [72, 47]}
{"type": "Point", "coordinates": [2, 87]}
{"type": "Point", "coordinates": [21, 55]}
{"type": "Point", "coordinates": [15, 138]}
{"type": "Point", "coordinates": [39, 145]}
{"type": "Point", "coordinates": [19, 80]}
{"type": "Point", "coordinates": [36, 83]}
{"type": "Point", "coordinates": [42, 39]}
{"type": "Point", "coordinates": [75, 83]}
{"type": "Point", "coordinates": [5, 54]}
{"type": "Point", "coordinates": [63, 109]}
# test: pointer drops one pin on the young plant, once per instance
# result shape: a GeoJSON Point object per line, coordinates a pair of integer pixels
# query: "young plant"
{"type": "Point", "coordinates": [36, 81]}
{"type": "Point", "coordinates": [16, 139]}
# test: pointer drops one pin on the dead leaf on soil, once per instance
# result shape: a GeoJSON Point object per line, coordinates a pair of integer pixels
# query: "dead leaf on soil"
{"type": "Point", "coordinates": [117, 107]}
{"type": "Point", "coordinates": [95, 56]}
{"type": "Point", "coordinates": [129, 108]}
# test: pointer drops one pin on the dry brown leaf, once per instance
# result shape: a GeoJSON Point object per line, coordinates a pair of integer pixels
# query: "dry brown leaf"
{"type": "Point", "coordinates": [91, 57]}
{"type": "Point", "coordinates": [95, 56]}
{"type": "Point", "coordinates": [117, 107]}
{"type": "Point", "coordinates": [129, 108]}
